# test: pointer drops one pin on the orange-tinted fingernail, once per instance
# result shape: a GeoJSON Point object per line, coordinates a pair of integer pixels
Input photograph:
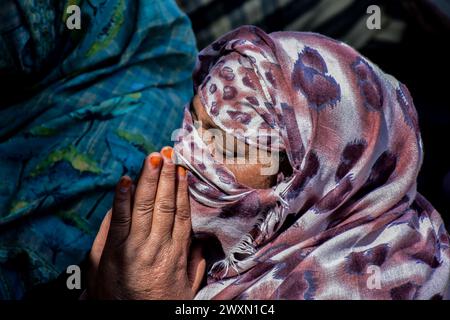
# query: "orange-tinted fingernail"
{"type": "Point", "coordinates": [167, 152]}
{"type": "Point", "coordinates": [125, 184]}
{"type": "Point", "coordinates": [155, 160]}
{"type": "Point", "coordinates": [181, 171]}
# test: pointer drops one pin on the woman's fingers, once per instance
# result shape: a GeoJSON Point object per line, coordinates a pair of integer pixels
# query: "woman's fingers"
{"type": "Point", "coordinates": [144, 197]}
{"type": "Point", "coordinates": [182, 225]}
{"type": "Point", "coordinates": [97, 250]}
{"type": "Point", "coordinates": [100, 240]}
{"type": "Point", "coordinates": [161, 205]}
{"type": "Point", "coordinates": [163, 216]}
{"type": "Point", "coordinates": [121, 213]}
{"type": "Point", "coordinates": [181, 233]}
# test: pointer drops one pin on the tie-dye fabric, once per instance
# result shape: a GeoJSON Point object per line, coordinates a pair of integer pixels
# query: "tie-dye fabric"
{"type": "Point", "coordinates": [84, 107]}
{"type": "Point", "coordinates": [348, 222]}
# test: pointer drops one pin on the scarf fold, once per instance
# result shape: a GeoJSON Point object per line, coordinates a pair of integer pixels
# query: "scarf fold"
{"type": "Point", "coordinates": [347, 223]}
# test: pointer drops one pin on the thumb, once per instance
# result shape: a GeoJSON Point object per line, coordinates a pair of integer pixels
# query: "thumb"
{"type": "Point", "coordinates": [100, 240]}
{"type": "Point", "coordinates": [196, 267]}
{"type": "Point", "coordinates": [96, 252]}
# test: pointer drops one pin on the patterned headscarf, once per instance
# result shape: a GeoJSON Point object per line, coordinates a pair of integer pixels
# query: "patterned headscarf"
{"type": "Point", "coordinates": [347, 222]}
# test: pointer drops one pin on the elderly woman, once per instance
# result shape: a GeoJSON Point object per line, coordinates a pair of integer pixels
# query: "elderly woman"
{"type": "Point", "coordinates": [340, 218]}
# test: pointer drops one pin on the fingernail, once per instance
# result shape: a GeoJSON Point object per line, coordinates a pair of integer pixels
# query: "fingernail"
{"type": "Point", "coordinates": [155, 160]}
{"type": "Point", "coordinates": [167, 152]}
{"type": "Point", "coordinates": [181, 171]}
{"type": "Point", "coordinates": [125, 184]}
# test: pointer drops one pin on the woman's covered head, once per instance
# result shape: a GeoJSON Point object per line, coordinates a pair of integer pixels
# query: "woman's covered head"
{"type": "Point", "coordinates": [348, 133]}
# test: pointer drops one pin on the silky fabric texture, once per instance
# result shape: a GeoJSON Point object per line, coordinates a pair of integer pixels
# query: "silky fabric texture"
{"type": "Point", "coordinates": [348, 222]}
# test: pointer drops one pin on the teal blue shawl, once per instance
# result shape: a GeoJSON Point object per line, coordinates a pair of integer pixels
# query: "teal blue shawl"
{"type": "Point", "coordinates": [81, 108]}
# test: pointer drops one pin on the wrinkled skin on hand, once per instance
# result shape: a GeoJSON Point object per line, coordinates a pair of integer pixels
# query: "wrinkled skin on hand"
{"type": "Point", "coordinates": [143, 249]}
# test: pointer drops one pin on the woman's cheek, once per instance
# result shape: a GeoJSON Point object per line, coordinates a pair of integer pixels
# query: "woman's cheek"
{"type": "Point", "coordinates": [250, 175]}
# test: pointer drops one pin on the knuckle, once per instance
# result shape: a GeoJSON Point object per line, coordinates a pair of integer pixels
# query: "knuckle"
{"type": "Point", "coordinates": [129, 253]}
{"type": "Point", "coordinates": [183, 214]}
{"type": "Point", "coordinates": [120, 197]}
{"type": "Point", "coordinates": [120, 219]}
{"type": "Point", "coordinates": [165, 242]}
{"type": "Point", "coordinates": [165, 206]}
{"type": "Point", "coordinates": [168, 171]}
{"type": "Point", "coordinates": [158, 247]}
{"type": "Point", "coordinates": [121, 222]}
{"type": "Point", "coordinates": [145, 206]}
{"type": "Point", "coordinates": [161, 240]}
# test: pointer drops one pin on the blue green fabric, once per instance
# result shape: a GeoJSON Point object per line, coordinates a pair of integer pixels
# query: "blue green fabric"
{"type": "Point", "coordinates": [95, 102]}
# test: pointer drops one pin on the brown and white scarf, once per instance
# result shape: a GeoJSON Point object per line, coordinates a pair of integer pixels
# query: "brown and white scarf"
{"type": "Point", "coordinates": [348, 222]}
